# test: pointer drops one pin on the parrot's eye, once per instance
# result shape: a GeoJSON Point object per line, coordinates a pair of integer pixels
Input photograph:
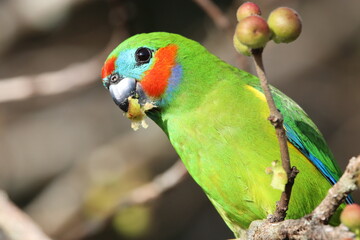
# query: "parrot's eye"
{"type": "Point", "coordinates": [143, 55]}
{"type": "Point", "coordinates": [114, 78]}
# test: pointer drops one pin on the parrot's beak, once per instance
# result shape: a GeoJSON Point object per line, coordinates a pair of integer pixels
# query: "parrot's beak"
{"type": "Point", "coordinates": [125, 88]}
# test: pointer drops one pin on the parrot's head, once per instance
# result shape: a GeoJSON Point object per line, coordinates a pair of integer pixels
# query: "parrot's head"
{"type": "Point", "coordinates": [150, 68]}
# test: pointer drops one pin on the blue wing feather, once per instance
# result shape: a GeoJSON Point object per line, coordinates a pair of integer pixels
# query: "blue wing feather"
{"type": "Point", "coordinates": [297, 142]}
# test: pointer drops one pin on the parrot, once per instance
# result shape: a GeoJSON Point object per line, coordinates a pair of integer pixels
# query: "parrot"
{"type": "Point", "coordinates": [215, 116]}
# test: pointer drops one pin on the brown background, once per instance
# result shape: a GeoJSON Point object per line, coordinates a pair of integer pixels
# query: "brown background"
{"type": "Point", "coordinates": [68, 158]}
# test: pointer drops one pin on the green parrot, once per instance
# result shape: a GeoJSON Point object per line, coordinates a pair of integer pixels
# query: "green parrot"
{"type": "Point", "coordinates": [215, 116]}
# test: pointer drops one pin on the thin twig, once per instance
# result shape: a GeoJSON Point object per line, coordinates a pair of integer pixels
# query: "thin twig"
{"type": "Point", "coordinates": [215, 13]}
{"type": "Point", "coordinates": [276, 119]}
{"type": "Point", "coordinates": [223, 22]}
{"type": "Point", "coordinates": [143, 194]}
{"type": "Point", "coordinates": [152, 190]}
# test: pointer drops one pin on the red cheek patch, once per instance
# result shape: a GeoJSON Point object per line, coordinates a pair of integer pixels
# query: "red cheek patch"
{"type": "Point", "coordinates": [108, 67]}
{"type": "Point", "coordinates": [155, 80]}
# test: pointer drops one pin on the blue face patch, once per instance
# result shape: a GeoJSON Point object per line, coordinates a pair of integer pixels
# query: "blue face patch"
{"type": "Point", "coordinates": [127, 66]}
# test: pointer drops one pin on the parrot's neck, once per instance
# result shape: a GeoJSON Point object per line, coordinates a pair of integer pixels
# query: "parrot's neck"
{"type": "Point", "coordinates": [196, 82]}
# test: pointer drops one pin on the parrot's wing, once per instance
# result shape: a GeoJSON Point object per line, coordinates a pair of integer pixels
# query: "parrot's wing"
{"type": "Point", "coordinates": [305, 136]}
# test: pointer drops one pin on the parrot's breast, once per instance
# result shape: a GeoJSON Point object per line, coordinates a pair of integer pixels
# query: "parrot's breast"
{"type": "Point", "coordinates": [226, 143]}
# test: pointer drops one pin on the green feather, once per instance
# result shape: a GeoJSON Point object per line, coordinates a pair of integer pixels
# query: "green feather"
{"type": "Point", "coordinates": [217, 122]}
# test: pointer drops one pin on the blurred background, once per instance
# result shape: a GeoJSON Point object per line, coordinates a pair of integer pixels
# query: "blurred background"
{"type": "Point", "coordinates": [70, 159]}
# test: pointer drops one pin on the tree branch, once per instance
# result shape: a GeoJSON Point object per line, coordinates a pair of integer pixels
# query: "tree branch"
{"type": "Point", "coordinates": [15, 224]}
{"type": "Point", "coordinates": [223, 22]}
{"type": "Point", "coordinates": [154, 189]}
{"type": "Point", "coordinates": [49, 83]}
{"type": "Point", "coordinates": [298, 229]}
{"type": "Point", "coordinates": [276, 119]}
{"type": "Point", "coordinates": [348, 183]}
{"type": "Point", "coordinates": [215, 13]}
{"type": "Point", "coordinates": [70, 78]}
{"type": "Point", "coordinates": [313, 225]}
{"type": "Point", "coordinates": [143, 194]}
